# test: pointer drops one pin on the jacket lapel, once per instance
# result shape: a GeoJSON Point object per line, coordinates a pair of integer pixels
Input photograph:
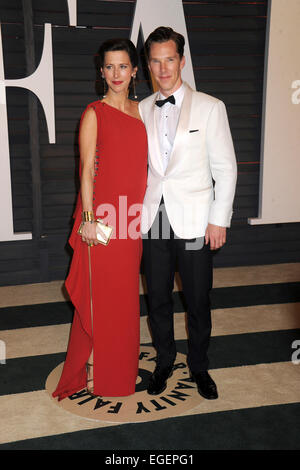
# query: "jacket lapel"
{"type": "Point", "coordinates": [153, 140]}
{"type": "Point", "coordinates": [183, 125]}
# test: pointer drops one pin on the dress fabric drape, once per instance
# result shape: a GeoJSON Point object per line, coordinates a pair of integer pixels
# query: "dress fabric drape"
{"type": "Point", "coordinates": [113, 331]}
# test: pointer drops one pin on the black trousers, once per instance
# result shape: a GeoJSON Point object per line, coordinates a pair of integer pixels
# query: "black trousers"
{"type": "Point", "coordinates": [161, 255]}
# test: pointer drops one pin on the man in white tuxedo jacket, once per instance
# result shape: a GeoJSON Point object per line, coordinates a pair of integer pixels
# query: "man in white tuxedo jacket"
{"type": "Point", "coordinates": [191, 185]}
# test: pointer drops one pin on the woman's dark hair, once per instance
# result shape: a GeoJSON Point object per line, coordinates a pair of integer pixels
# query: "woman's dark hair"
{"type": "Point", "coordinates": [118, 44]}
{"type": "Point", "coordinates": [164, 34]}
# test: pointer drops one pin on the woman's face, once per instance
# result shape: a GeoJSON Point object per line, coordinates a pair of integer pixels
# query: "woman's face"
{"type": "Point", "coordinates": [117, 70]}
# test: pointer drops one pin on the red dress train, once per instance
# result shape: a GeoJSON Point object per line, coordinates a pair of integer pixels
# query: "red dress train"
{"type": "Point", "coordinates": [119, 187]}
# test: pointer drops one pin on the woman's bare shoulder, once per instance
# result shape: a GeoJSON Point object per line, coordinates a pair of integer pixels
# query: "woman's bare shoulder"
{"type": "Point", "coordinates": [89, 113]}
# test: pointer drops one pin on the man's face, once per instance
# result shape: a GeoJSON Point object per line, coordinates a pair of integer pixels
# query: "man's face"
{"type": "Point", "coordinates": [166, 65]}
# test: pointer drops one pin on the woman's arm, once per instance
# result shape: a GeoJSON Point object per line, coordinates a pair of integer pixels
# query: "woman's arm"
{"type": "Point", "coordinates": [87, 148]}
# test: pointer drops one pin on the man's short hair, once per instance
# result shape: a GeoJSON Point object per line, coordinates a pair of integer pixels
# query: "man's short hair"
{"type": "Point", "coordinates": [164, 34]}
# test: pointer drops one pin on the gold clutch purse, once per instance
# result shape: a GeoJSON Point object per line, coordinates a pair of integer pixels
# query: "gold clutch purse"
{"type": "Point", "coordinates": [106, 229]}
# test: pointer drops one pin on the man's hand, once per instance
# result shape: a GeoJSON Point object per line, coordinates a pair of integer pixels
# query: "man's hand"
{"type": "Point", "coordinates": [215, 235]}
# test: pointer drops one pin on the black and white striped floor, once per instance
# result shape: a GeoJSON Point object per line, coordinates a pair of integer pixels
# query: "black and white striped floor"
{"type": "Point", "coordinates": [254, 359]}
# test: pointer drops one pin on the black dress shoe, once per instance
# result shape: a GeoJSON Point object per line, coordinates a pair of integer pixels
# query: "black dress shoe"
{"type": "Point", "coordinates": [158, 380]}
{"type": "Point", "coordinates": [206, 386]}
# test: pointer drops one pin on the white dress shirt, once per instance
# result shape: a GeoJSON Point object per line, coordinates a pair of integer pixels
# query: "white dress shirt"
{"type": "Point", "coordinates": [166, 118]}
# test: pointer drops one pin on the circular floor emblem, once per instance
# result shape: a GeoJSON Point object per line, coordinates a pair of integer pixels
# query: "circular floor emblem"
{"type": "Point", "coordinates": [180, 395]}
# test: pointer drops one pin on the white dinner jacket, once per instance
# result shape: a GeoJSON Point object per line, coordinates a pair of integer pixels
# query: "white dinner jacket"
{"type": "Point", "coordinates": [202, 153]}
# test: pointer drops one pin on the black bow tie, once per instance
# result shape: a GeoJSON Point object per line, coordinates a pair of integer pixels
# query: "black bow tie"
{"type": "Point", "coordinates": [170, 99]}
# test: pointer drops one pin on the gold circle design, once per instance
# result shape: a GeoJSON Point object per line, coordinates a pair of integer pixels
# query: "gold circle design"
{"type": "Point", "coordinates": [180, 396]}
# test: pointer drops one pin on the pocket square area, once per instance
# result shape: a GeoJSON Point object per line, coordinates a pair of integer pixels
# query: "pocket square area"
{"type": "Point", "coordinates": [194, 130]}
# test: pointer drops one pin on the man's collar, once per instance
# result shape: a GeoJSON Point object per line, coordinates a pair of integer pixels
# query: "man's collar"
{"type": "Point", "coordinates": [178, 94]}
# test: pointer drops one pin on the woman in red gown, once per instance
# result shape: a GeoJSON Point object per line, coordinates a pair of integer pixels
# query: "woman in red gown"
{"type": "Point", "coordinates": [103, 347]}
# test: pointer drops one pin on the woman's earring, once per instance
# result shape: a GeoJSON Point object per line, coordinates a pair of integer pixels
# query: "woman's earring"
{"type": "Point", "coordinates": [104, 86]}
{"type": "Point", "coordinates": [134, 92]}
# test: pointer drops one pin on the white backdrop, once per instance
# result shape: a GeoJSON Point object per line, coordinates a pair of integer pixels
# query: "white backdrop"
{"type": "Point", "coordinates": [280, 149]}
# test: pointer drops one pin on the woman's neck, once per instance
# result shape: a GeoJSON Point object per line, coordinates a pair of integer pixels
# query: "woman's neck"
{"type": "Point", "coordinates": [118, 101]}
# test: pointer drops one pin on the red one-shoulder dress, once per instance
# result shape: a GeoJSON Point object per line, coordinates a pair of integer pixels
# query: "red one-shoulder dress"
{"type": "Point", "coordinates": [105, 290]}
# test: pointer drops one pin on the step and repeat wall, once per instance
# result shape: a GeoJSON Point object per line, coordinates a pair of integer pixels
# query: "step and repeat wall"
{"type": "Point", "coordinates": [244, 53]}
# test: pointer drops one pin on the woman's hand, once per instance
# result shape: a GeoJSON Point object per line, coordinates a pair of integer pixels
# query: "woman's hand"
{"type": "Point", "coordinates": [89, 234]}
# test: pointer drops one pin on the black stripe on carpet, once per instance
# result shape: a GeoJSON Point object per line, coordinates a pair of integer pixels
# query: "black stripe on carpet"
{"type": "Point", "coordinates": [28, 374]}
{"type": "Point", "coordinates": [264, 428]}
{"type": "Point", "coordinates": [227, 297]}
{"type": "Point", "coordinates": [27, 316]}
